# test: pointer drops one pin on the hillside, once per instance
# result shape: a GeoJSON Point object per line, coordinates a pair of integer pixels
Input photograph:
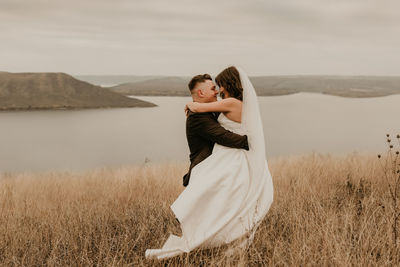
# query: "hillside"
{"type": "Point", "coordinates": [166, 86]}
{"type": "Point", "coordinates": [112, 80]}
{"type": "Point", "coordinates": [328, 211]}
{"type": "Point", "coordinates": [345, 86]}
{"type": "Point", "coordinates": [57, 91]}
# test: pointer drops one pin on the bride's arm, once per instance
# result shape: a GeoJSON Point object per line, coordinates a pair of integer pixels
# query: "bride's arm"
{"type": "Point", "coordinates": [224, 105]}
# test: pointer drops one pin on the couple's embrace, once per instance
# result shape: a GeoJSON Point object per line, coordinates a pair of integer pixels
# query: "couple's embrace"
{"type": "Point", "coordinates": [228, 187]}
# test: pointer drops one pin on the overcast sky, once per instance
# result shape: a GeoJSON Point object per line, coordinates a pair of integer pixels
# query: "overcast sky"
{"type": "Point", "coordinates": [172, 37]}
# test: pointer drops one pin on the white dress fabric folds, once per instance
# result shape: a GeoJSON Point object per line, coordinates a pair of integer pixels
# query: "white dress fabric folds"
{"type": "Point", "coordinates": [229, 193]}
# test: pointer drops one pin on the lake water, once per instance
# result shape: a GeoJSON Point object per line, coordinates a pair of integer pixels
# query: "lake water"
{"type": "Point", "coordinates": [84, 139]}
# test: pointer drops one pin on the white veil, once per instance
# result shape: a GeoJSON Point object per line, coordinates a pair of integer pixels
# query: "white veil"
{"type": "Point", "coordinates": [251, 120]}
{"type": "Point", "coordinates": [260, 191]}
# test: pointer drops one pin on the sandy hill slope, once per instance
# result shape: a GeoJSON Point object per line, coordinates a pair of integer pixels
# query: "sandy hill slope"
{"type": "Point", "coordinates": [55, 91]}
{"type": "Point", "coordinates": [346, 86]}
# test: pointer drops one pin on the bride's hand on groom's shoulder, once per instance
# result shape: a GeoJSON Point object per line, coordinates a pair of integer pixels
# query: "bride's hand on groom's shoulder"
{"type": "Point", "coordinates": [189, 107]}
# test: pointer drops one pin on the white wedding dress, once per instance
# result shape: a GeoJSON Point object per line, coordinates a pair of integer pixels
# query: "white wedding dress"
{"type": "Point", "coordinates": [229, 192]}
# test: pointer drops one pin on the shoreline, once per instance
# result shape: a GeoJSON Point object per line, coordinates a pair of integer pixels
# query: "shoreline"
{"type": "Point", "coordinates": [179, 95]}
{"type": "Point", "coordinates": [266, 95]}
{"type": "Point", "coordinates": [176, 163]}
{"type": "Point", "coordinates": [68, 108]}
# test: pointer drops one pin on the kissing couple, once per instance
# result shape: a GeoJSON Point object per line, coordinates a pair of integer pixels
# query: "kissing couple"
{"type": "Point", "coordinates": [229, 187]}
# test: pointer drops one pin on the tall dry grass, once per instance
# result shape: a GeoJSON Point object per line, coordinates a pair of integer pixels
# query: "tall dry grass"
{"type": "Point", "coordinates": [328, 210]}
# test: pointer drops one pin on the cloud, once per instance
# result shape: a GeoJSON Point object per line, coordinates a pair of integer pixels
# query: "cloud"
{"type": "Point", "coordinates": [182, 37]}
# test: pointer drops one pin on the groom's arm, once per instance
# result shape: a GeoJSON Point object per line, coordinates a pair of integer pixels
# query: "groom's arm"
{"type": "Point", "coordinates": [210, 129]}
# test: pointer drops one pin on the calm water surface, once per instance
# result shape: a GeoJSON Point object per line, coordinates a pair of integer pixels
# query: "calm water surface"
{"type": "Point", "coordinates": [84, 139]}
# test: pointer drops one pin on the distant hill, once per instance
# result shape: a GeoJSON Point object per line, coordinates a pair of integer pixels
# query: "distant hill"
{"type": "Point", "coordinates": [346, 86]}
{"type": "Point", "coordinates": [57, 91]}
{"type": "Point", "coordinates": [112, 80]}
{"type": "Point", "coordinates": [166, 86]}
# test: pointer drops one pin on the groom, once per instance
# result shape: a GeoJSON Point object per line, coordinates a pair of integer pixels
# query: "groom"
{"type": "Point", "coordinates": [203, 129]}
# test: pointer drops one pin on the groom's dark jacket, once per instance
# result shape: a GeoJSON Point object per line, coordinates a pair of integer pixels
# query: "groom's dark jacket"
{"type": "Point", "coordinates": [202, 132]}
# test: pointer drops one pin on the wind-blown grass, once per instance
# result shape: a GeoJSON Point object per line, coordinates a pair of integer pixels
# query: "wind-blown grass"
{"type": "Point", "coordinates": [327, 210]}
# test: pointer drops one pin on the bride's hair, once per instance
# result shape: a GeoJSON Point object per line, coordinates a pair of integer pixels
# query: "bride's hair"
{"type": "Point", "coordinates": [229, 78]}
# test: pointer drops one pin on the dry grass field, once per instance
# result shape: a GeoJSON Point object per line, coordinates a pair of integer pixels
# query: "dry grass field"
{"type": "Point", "coordinates": [328, 211]}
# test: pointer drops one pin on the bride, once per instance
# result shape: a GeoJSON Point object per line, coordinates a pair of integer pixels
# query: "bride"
{"type": "Point", "coordinates": [231, 191]}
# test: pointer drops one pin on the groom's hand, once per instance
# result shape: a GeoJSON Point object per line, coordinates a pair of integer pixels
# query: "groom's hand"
{"type": "Point", "coordinates": [210, 129]}
{"type": "Point", "coordinates": [246, 145]}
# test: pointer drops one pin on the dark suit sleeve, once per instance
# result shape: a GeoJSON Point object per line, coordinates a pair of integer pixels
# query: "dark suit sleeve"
{"type": "Point", "coordinates": [210, 129]}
